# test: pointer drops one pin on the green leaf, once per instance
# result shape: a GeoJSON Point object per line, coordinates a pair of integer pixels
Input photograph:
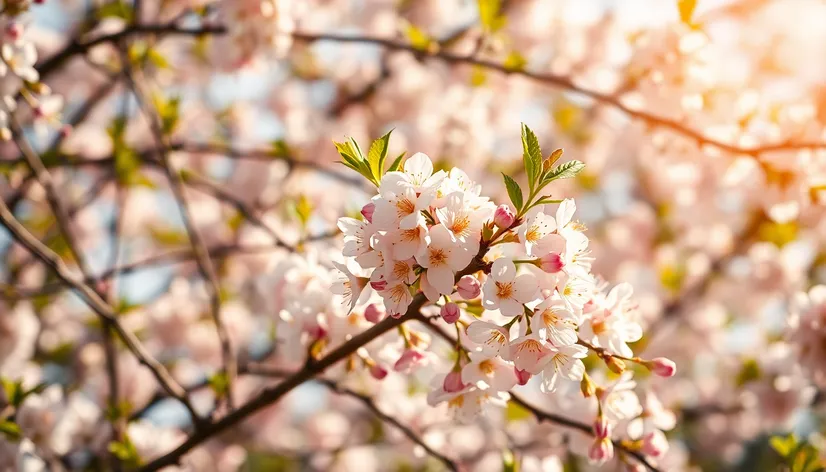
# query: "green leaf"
{"type": "Point", "coordinates": [15, 394]}
{"type": "Point", "coordinates": [547, 200]}
{"type": "Point", "coordinates": [279, 148]}
{"type": "Point", "coordinates": [10, 430]}
{"type": "Point", "coordinates": [478, 76]}
{"type": "Point", "coordinates": [219, 384]}
{"type": "Point", "coordinates": [489, 15]}
{"type": "Point", "coordinates": [303, 209]}
{"type": "Point", "coordinates": [169, 236]}
{"type": "Point", "coordinates": [169, 111]}
{"type": "Point", "coordinates": [531, 155]}
{"type": "Point", "coordinates": [515, 412]}
{"type": "Point", "coordinates": [353, 158]}
{"type": "Point", "coordinates": [783, 445]}
{"type": "Point", "coordinates": [377, 155]}
{"type": "Point", "coordinates": [514, 191]}
{"type": "Point", "coordinates": [396, 163]}
{"type": "Point", "coordinates": [515, 62]}
{"type": "Point", "coordinates": [749, 371]}
{"type": "Point", "coordinates": [565, 171]}
{"type": "Point", "coordinates": [418, 38]}
{"type": "Point", "coordinates": [509, 462]}
{"type": "Point", "coordinates": [125, 451]}
{"type": "Point", "coordinates": [157, 59]}
{"type": "Point", "coordinates": [686, 8]}
{"type": "Point", "coordinates": [118, 9]}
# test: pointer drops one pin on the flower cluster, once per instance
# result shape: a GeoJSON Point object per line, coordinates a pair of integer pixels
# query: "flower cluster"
{"type": "Point", "coordinates": [516, 284]}
{"type": "Point", "coordinates": [19, 77]}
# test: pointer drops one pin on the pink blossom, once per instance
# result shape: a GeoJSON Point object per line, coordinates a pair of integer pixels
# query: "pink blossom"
{"type": "Point", "coordinates": [450, 312]}
{"type": "Point", "coordinates": [503, 217]}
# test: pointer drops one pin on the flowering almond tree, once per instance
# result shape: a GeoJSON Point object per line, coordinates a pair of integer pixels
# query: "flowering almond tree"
{"type": "Point", "coordinates": [256, 235]}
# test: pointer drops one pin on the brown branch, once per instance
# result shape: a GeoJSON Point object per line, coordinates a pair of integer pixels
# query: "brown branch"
{"type": "Point", "coordinates": [205, 266]}
{"type": "Point", "coordinates": [174, 256]}
{"type": "Point", "coordinates": [97, 304]}
{"type": "Point", "coordinates": [76, 47]}
{"type": "Point", "coordinates": [263, 370]}
{"type": "Point", "coordinates": [567, 83]}
{"type": "Point", "coordinates": [44, 178]}
{"type": "Point", "coordinates": [221, 194]}
{"type": "Point", "coordinates": [539, 414]}
{"type": "Point", "coordinates": [311, 369]}
{"type": "Point", "coordinates": [273, 394]}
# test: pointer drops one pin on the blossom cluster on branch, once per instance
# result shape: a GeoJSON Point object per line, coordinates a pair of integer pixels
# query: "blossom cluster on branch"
{"type": "Point", "coordinates": [190, 281]}
{"type": "Point", "coordinates": [516, 283]}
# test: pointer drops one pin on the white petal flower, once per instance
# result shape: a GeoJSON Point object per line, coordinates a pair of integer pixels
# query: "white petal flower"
{"type": "Point", "coordinates": [507, 292]}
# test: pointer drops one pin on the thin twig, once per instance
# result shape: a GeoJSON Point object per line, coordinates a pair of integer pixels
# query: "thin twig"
{"type": "Point", "coordinates": [567, 83]}
{"type": "Point", "coordinates": [96, 303]}
{"type": "Point", "coordinates": [205, 266]}
{"type": "Point", "coordinates": [263, 370]}
{"type": "Point", "coordinates": [81, 47]}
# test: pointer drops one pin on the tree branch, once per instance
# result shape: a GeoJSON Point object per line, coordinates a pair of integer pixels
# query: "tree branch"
{"type": "Point", "coordinates": [567, 83]}
{"type": "Point", "coordinates": [273, 394]}
{"type": "Point", "coordinates": [263, 370]}
{"type": "Point", "coordinates": [96, 303]}
{"type": "Point", "coordinates": [205, 265]}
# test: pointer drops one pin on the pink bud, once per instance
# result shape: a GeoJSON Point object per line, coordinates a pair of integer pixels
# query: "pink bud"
{"type": "Point", "coordinates": [378, 372]}
{"type": "Point", "coordinates": [655, 444]}
{"type": "Point", "coordinates": [409, 360]}
{"type": "Point", "coordinates": [14, 30]}
{"type": "Point", "coordinates": [551, 263]}
{"type": "Point", "coordinates": [662, 366]}
{"type": "Point", "coordinates": [38, 112]}
{"type": "Point", "coordinates": [395, 315]}
{"type": "Point", "coordinates": [503, 216]}
{"type": "Point", "coordinates": [602, 429]}
{"type": "Point", "coordinates": [522, 376]}
{"type": "Point", "coordinates": [66, 131]}
{"type": "Point", "coordinates": [367, 211]}
{"type": "Point", "coordinates": [373, 313]}
{"type": "Point", "coordinates": [316, 331]}
{"type": "Point", "coordinates": [453, 382]}
{"type": "Point", "coordinates": [379, 285]}
{"type": "Point", "coordinates": [40, 2]}
{"type": "Point", "coordinates": [601, 451]}
{"type": "Point", "coordinates": [469, 287]}
{"type": "Point", "coordinates": [450, 313]}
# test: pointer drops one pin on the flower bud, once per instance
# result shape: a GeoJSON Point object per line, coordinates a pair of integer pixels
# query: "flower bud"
{"type": "Point", "coordinates": [469, 287]}
{"type": "Point", "coordinates": [522, 376]}
{"type": "Point", "coordinates": [654, 444]}
{"type": "Point", "coordinates": [316, 331]}
{"type": "Point", "coordinates": [453, 382]}
{"type": "Point", "coordinates": [450, 313]}
{"type": "Point", "coordinates": [503, 216]}
{"type": "Point", "coordinates": [14, 31]}
{"type": "Point", "coordinates": [551, 263]}
{"type": "Point", "coordinates": [616, 365]}
{"type": "Point", "coordinates": [367, 211]}
{"type": "Point", "coordinates": [395, 315]}
{"type": "Point", "coordinates": [379, 285]}
{"type": "Point", "coordinates": [373, 313]}
{"type": "Point", "coordinates": [409, 359]}
{"type": "Point", "coordinates": [662, 366]}
{"type": "Point", "coordinates": [601, 451]}
{"type": "Point", "coordinates": [602, 429]}
{"type": "Point", "coordinates": [378, 372]}
{"type": "Point", "coordinates": [587, 387]}
{"type": "Point", "coordinates": [66, 131]}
